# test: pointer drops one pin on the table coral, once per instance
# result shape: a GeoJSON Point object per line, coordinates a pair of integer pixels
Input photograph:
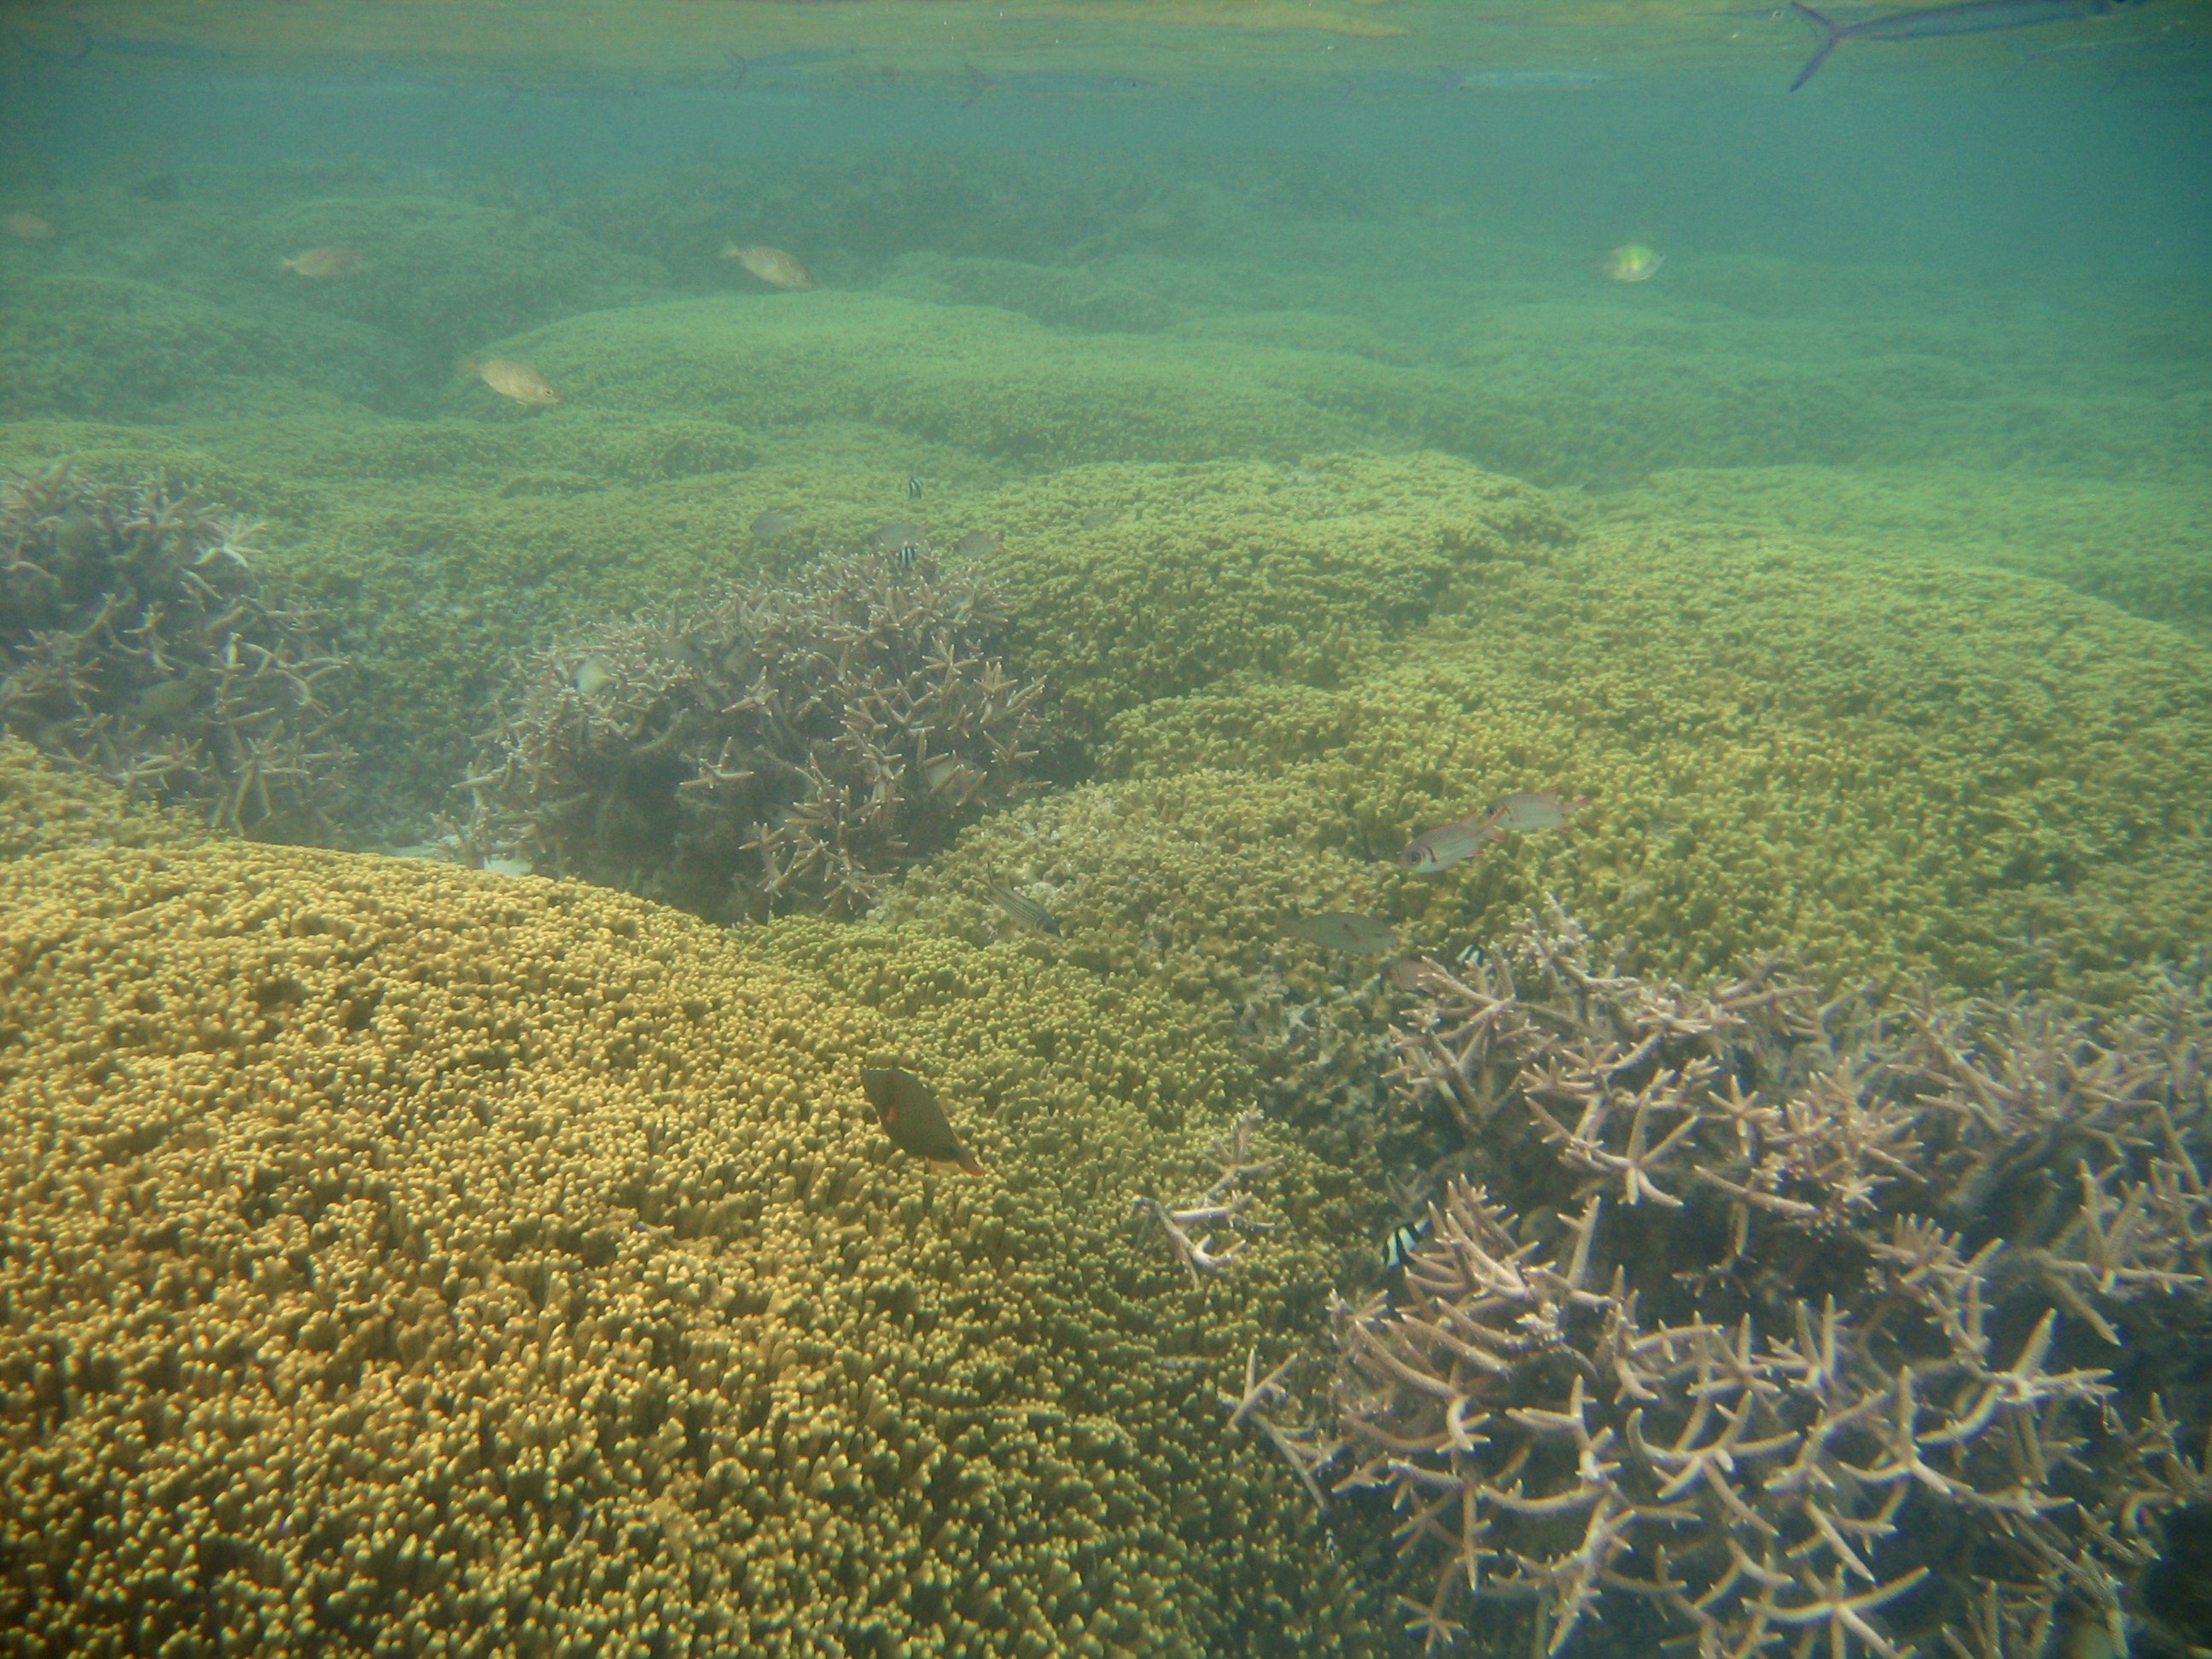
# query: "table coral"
{"type": "Point", "coordinates": [135, 643]}
{"type": "Point", "coordinates": [405, 1256]}
{"type": "Point", "coordinates": [1775, 1321]}
{"type": "Point", "coordinates": [759, 748]}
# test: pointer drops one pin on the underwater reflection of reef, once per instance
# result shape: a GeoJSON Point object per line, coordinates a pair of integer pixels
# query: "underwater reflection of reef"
{"type": "Point", "coordinates": [135, 644]}
{"type": "Point", "coordinates": [767, 749]}
{"type": "Point", "coordinates": [1849, 1327]}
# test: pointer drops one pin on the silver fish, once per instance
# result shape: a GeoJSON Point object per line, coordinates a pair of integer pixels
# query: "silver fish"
{"type": "Point", "coordinates": [975, 544]}
{"type": "Point", "coordinates": [1932, 22]}
{"type": "Point", "coordinates": [1448, 844]}
{"type": "Point", "coordinates": [771, 525]}
{"type": "Point", "coordinates": [1026, 911]}
{"type": "Point", "coordinates": [1342, 930]}
{"type": "Point", "coordinates": [1535, 809]}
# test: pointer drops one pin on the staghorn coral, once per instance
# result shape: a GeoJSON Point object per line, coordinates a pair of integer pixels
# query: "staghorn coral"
{"type": "Point", "coordinates": [1765, 1323]}
{"type": "Point", "coordinates": [135, 645]}
{"type": "Point", "coordinates": [401, 1256]}
{"type": "Point", "coordinates": [765, 749]}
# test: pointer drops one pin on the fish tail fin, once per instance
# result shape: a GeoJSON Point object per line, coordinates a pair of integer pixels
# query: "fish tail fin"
{"type": "Point", "coordinates": [1829, 36]}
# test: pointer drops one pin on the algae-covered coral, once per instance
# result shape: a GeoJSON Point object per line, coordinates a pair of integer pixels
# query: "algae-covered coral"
{"type": "Point", "coordinates": [1781, 1321]}
{"type": "Point", "coordinates": [135, 643]}
{"type": "Point", "coordinates": [762, 748]}
{"type": "Point", "coordinates": [406, 1255]}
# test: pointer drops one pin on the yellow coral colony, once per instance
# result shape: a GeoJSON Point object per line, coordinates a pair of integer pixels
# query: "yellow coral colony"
{"type": "Point", "coordinates": [401, 1256]}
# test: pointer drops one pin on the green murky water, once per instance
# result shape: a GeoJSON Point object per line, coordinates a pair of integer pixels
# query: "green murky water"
{"type": "Point", "coordinates": [1359, 414]}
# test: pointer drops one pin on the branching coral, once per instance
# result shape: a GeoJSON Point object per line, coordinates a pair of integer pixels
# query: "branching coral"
{"type": "Point", "coordinates": [1769, 1326]}
{"type": "Point", "coordinates": [133, 644]}
{"type": "Point", "coordinates": [767, 749]}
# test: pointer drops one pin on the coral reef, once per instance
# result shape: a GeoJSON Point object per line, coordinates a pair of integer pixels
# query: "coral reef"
{"type": "Point", "coordinates": [404, 1255]}
{"type": "Point", "coordinates": [1948, 770]}
{"type": "Point", "coordinates": [45, 806]}
{"type": "Point", "coordinates": [763, 749]}
{"type": "Point", "coordinates": [135, 643]}
{"type": "Point", "coordinates": [1787, 1325]}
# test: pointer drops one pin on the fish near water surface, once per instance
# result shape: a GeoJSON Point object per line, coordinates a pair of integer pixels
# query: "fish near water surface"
{"type": "Point", "coordinates": [772, 266]}
{"type": "Point", "coordinates": [517, 382]}
{"type": "Point", "coordinates": [321, 263]}
{"type": "Point", "coordinates": [1631, 262]}
{"type": "Point", "coordinates": [1935, 22]}
{"type": "Point", "coordinates": [913, 1117]}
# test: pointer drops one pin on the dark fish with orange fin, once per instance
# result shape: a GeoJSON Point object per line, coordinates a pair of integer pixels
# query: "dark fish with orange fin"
{"type": "Point", "coordinates": [915, 1119]}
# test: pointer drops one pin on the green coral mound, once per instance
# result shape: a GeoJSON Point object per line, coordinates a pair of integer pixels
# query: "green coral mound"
{"type": "Point", "coordinates": [1951, 771]}
{"type": "Point", "coordinates": [1131, 584]}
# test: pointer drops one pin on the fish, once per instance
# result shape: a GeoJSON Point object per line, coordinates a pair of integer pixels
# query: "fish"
{"type": "Point", "coordinates": [1026, 911]}
{"type": "Point", "coordinates": [796, 57]}
{"type": "Point", "coordinates": [1455, 842]}
{"type": "Point", "coordinates": [593, 676]}
{"type": "Point", "coordinates": [1531, 80]}
{"type": "Point", "coordinates": [913, 489]}
{"type": "Point", "coordinates": [518, 383]}
{"type": "Point", "coordinates": [772, 265]}
{"type": "Point", "coordinates": [771, 523]}
{"type": "Point", "coordinates": [976, 545]}
{"type": "Point", "coordinates": [1933, 23]}
{"type": "Point", "coordinates": [1099, 518]}
{"type": "Point", "coordinates": [1409, 973]}
{"type": "Point", "coordinates": [896, 537]}
{"type": "Point", "coordinates": [915, 1119]}
{"type": "Point", "coordinates": [25, 227]}
{"type": "Point", "coordinates": [1405, 1238]}
{"type": "Point", "coordinates": [164, 701]}
{"type": "Point", "coordinates": [1050, 83]}
{"type": "Point", "coordinates": [1535, 809]}
{"type": "Point", "coordinates": [1342, 930]}
{"type": "Point", "coordinates": [1631, 262]}
{"type": "Point", "coordinates": [323, 263]}
{"type": "Point", "coordinates": [1448, 844]}
{"type": "Point", "coordinates": [140, 46]}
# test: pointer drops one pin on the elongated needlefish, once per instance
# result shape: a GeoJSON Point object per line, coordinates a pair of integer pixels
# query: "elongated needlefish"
{"type": "Point", "coordinates": [1932, 22]}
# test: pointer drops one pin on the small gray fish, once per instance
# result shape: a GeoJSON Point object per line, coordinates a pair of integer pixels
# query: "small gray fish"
{"type": "Point", "coordinates": [975, 544]}
{"type": "Point", "coordinates": [913, 1118]}
{"type": "Point", "coordinates": [1098, 517]}
{"type": "Point", "coordinates": [1026, 911]}
{"type": "Point", "coordinates": [1343, 930]}
{"type": "Point", "coordinates": [164, 701]}
{"type": "Point", "coordinates": [771, 525]}
{"type": "Point", "coordinates": [897, 534]}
